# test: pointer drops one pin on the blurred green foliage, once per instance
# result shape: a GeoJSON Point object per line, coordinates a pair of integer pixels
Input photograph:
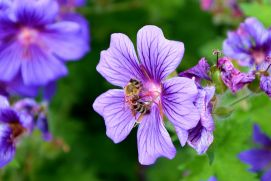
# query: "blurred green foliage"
{"type": "Point", "coordinates": [82, 152]}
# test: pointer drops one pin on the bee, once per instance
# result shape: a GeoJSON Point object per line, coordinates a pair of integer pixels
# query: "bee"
{"type": "Point", "coordinates": [141, 107]}
{"type": "Point", "coordinates": [133, 88]}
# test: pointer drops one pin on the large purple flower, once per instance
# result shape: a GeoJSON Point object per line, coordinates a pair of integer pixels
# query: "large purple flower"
{"type": "Point", "coordinates": [152, 95]}
{"type": "Point", "coordinates": [12, 127]}
{"type": "Point", "coordinates": [232, 77]}
{"type": "Point", "coordinates": [34, 45]}
{"type": "Point", "coordinates": [249, 45]}
{"type": "Point", "coordinates": [259, 158]}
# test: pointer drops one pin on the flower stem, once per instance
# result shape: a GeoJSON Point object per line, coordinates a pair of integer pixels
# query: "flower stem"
{"type": "Point", "coordinates": [241, 99]}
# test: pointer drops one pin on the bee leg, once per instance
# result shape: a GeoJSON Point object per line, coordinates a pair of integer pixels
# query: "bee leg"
{"type": "Point", "coordinates": [139, 119]}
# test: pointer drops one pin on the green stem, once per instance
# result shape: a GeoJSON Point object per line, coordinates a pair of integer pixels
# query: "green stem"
{"type": "Point", "coordinates": [241, 99]}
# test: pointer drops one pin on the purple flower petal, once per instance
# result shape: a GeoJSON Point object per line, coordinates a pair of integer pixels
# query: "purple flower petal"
{"type": "Point", "coordinates": [153, 139]}
{"type": "Point", "coordinates": [203, 105]}
{"type": "Point", "coordinates": [83, 22]}
{"type": "Point", "coordinates": [177, 99]}
{"type": "Point", "coordinates": [10, 60]}
{"type": "Point", "coordinates": [199, 71]}
{"type": "Point", "coordinates": [7, 148]}
{"type": "Point", "coordinates": [256, 30]}
{"type": "Point", "coordinates": [118, 117]}
{"type": "Point", "coordinates": [257, 158]}
{"type": "Point", "coordinates": [182, 135]}
{"type": "Point", "coordinates": [159, 56]}
{"type": "Point", "coordinates": [265, 84]}
{"type": "Point", "coordinates": [200, 138]}
{"type": "Point", "coordinates": [266, 176]}
{"type": "Point", "coordinates": [40, 68]}
{"type": "Point", "coordinates": [43, 126]}
{"type": "Point", "coordinates": [118, 64]}
{"type": "Point", "coordinates": [37, 12]}
{"type": "Point", "coordinates": [8, 115]}
{"type": "Point", "coordinates": [3, 102]}
{"type": "Point", "coordinates": [261, 138]}
{"type": "Point", "coordinates": [64, 40]}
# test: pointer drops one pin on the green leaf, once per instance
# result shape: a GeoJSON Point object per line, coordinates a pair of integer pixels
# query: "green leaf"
{"type": "Point", "coordinates": [261, 11]}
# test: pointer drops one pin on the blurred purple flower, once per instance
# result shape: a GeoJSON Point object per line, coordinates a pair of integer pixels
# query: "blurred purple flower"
{"type": "Point", "coordinates": [35, 112]}
{"type": "Point", "coordinates": [12, 127]}
{"type": "Point", "coordinates": [213, 178]}
{"type": "Point", "coordinates": [259, 158]}
{"type": "Point", "coordinates": [207, 5]}
{"type": "Point", "coordinates": [34, 45]}
{"type": "Point", "coordinates": [68, 13]}
{"type": "Point", "coordinates": [174, 97]}
{"type": "Point", "coordinates": [249, 45]}
{"type": "Point", "coordinates": [199, 71]}
{"type": "Point", "coordinates": [201, 137]}
{"type": "Point", "coordinates": [232, 77]}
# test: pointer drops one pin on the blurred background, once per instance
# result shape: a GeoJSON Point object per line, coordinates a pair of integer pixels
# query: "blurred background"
{"type": "Point", "coordinates": [81, 151]}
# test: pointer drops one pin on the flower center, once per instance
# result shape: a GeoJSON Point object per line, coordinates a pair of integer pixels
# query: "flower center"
{"type": "Point", "coordinates": [28, 36]}
{"type": "Point", "coordinates": [259, 56]}
{"type": "Point", "coordinates": [17, 129]}
{"type": "Point", "coordinates": [140, 97]}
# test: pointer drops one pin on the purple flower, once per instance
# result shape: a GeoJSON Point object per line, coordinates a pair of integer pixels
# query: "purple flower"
{"type": "Point", "coordinates": [249, 45]}
{"type": "Point", "coordinates": [213, 178]}
{"type": "Point", "coordinates": [259, 158]}
{"type": "Point", "coordinates": [12, 127]}
{"type": "Point", "coordinates": [232, 77]}
{"type": "Point", "coordinates": [201, 137]}
{"type": "Point", "coordinates": [199, 71]}
{"type": "Point", "coordinates": [34, 45]}
{"type": "Point", "coordinates": [147, 95]}
{"type": "Point", "coordinates": [36, 113]}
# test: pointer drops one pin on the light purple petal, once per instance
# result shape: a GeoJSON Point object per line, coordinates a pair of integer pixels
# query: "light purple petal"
{"type": "Point", "coordinates": [118, 64]}
{"type": "Point", "coordinates": [159, 56]}
{"type": "Point", "coordinates": [43, 126]}
{"type": "Point", "coordinates": [177, 100]}
{"type": "Point", "coordinates": [256, 158]}
{"type": "Point", "coordinates": [203, 104]}
{"type": "Point", "coordinates": [10, 60]}
{"type": "Point", "coordinates": [3, 102]}
{"type": "Point", "coordinates": [265, 84]}
{"type": "Point", "coordinates": [200, 139]}
{"type": "Point", "coordinates": [7, 147]}
{"type": "Point", "coordinates": [182, 135]}
{"type": "Point", "coordinates": [39, 68]}
{"type": "Point", "coordinates": [153, 139]}
{"type": "Point", "coordinates": [260, 138]}
{"type": "Point", "coordinates": [65, 41]}
{"type": "Point", "coordinates": [266, 176]}
{"type": "Point", "coordinates": [118, 117]}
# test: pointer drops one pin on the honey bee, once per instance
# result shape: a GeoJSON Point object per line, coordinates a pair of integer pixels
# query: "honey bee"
{"type": "Point", "coordinates": [133, 88]}
{"type": "Point", "coordinates": [141, 107]}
